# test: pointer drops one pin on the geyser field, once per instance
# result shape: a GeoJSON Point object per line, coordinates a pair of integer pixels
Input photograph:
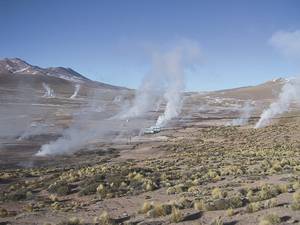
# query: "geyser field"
{"type": "Point", "coordinates": [74, 151]}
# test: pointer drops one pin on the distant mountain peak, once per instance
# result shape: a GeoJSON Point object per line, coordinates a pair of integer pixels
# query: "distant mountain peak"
{"type": "Point", "coordinates": [280, 79]}
{"type": "Point", "coordinates": [285, 80]}
{"type": "Point", "coordinates": [20, 67]}
{"type": "Point", "coordinates": [16, 60]}
{"type": "Point", "coordinates": [65, 73]}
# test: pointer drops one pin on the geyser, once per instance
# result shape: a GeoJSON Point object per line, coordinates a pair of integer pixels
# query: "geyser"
{"type": "Point", "coordinates": [246, 112]}
{"type": "Point", "coordinates": [165, 81]}
{"type": "Point", "coordinates": [49, 93]}
{"type": "Point", "coordinates": [77, 88]}
{"type": "Point", "coordinates": [173, 65]}
{"type": "Point", "coordinates": [290, 92]}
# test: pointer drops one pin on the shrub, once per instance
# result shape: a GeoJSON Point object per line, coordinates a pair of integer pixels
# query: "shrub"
{"type": "Point", "coordinates": [180, 188]}
{"type": "Point", "coordinates": [28, 208]}
{"type": "Point", "coordinates": [3, 213]}
{"type": "Point", "coordinates": [296, 197]}
{"type": "Point", "coordinates": [267, 192]}
{"type": "Point", "coordinates": [72, 221]}
{"type": "Point", "coordinates": [146, 207]}
{"type": "Point", "coordinates": [213, 175]}
{"type": "Point", "coordinates": [138, 177]}
{"type": "Point", "coordinates": [200, 205]}
{"type": "Point", "coordinates": [63, 190]}
{"type": "Point", "coordinates": [60, 188]}
{"type": "Point", "coordinates": [171, 190]}
{"type": "Point", "coordinates": [56, 206]}
{"type": "Point", "coordinates": [167, 209]}
{"type": "Point", "coordinates": [184, 203]}
{"type": "Point", "coordinates": [296, 185]}
{"type": "Point", "coordinates": [216, 193]}
{"type": "Point", "coordinates": [296, 201]}
{"type": "Point", "coordinates": [230, 212]}
{"type": "Point", "coordinates": [101, 189]}
{"type": "Point", "coordinates": [29, 195]}
{"type": "Point", "coordinates": [156, 211]}
{"type": "Point", "coordinates": [217, 221]}
{"type": "Point", "coordinates": [236, 201]}
{"type": "Point", "coordinates": [104, 219]}
{"type": "Point", "coordinates": [149, 185]}
{"type": "Point", "coordinates": [270, 220]}
{"type": "Point", "coordinates": [253, 207]}
{"type": "Point", "coordinates": [283, 188]}
{"type": "Point", "coordinates": [53, 197]}
{"type": "Point", "coordinates": [88, 189]}
{"type": "Point", "coordinates": [295, 206]}
{"type": "Point", "coordinates": [270, 203]}
{"type": "Point", "coordinates": [220, 204]}
{"type": "Point", "coordinates": [250, 196]}
{"type": "Point", "coordinates": [176, 215]}
{"type": "Point", "coordinates": [18, 195]}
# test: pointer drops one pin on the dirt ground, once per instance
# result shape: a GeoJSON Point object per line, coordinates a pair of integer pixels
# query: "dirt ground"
{"type": "Point", "coordinates": [197, 170]}
{"type": "Point", "coordinates": [201, 174]}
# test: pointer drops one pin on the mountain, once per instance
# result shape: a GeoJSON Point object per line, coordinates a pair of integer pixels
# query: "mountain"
{"type": "Point", "coordinates": [13, 69]}
{"type": "Point", "coordinates": [19, 66]}
{"type": "Point", "coordinates": [65, 73]}
{"type": "Point", "coordinates": [265, 91]}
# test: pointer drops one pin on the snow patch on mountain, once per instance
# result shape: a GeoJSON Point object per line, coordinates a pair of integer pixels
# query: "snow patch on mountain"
{"type": "Point", "coordinates": [19, 67]}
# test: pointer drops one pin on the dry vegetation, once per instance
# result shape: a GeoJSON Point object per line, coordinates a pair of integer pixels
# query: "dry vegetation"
{"type": "Point", "coordinates": [213, 175]}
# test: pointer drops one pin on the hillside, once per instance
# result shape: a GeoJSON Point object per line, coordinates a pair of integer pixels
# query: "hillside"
{"type": "Point", "coordinates": [15, 72]}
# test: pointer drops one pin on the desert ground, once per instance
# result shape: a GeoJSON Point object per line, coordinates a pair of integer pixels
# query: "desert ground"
{"type": "Point", "coordinates": [198, 170]}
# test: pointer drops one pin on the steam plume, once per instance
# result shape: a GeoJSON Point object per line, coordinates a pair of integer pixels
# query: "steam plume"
{"type": "Point", "coordinates": [173, 64]}
{"type": "Point", "coordinates": [289, 93]}
{"type": "Point", "coordinates": [165, 79]}
{"type": "Point", "coordinates": [72, 139]}
{"type": "Point", "coordinates": [49, 93]}
{"type": "Point", "coordinates": [87, 127]}
{"type": "Point", "coordinates": [288, 44]}
{"type": "Point", "coordinates": [15, 118]}
{"type": "Point", "coordinates": [77, 88]}
{"type": "Point", "coordinates": [246, 112]}
{"type": "Point", "coordinates": [145, 97]}
{"type": "Point", "coordinates": [34, 129]}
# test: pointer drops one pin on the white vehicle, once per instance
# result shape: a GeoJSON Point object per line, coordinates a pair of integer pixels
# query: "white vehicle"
{"type": "Point", "coordinates": [152, 130]}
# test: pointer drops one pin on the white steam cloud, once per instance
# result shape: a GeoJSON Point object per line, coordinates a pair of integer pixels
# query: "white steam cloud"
{"type": "Point", "coordinates": [72, 139]}
{"type": "Point", "coordinates": [173, 66]}
{"type": "Point", "coordinates": [87, 125]}
{"type": "Point", "coordinates": [166, 79]}
{"type": "Point", "coordinates": [49, 93]}
{"type": "Point", "coordinates": [246, 112]}
{"type": "Point", "coordinates": [145, 97]}
{"type": "Point", "coordinates": [287, 43]}
{"type": "Point", "coordinates": [34, 129]}
{"type": "Point", "coordinates": [290, 92]}
{"type": "Point", "coordinates": [77, 88]}
{"type": "Point", "coordinates": [90, 126]}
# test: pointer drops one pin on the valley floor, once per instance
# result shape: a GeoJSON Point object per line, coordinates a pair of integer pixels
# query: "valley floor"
{"type": "Point", "coordinates": [191, 175]}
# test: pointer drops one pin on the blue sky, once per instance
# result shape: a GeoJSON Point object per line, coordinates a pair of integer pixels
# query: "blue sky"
{"type": "Point", "coordinates": [105, 40]}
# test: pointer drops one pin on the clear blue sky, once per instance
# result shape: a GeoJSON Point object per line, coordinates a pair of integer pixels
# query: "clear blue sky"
{"type": "Point", "coordinates": [102, 39]}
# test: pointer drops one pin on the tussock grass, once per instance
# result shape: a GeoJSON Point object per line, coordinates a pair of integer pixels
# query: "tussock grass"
{"type": "Point", "coordinates": [270, 219]}
{"type": "Point", "coordinates": [176, 215]}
